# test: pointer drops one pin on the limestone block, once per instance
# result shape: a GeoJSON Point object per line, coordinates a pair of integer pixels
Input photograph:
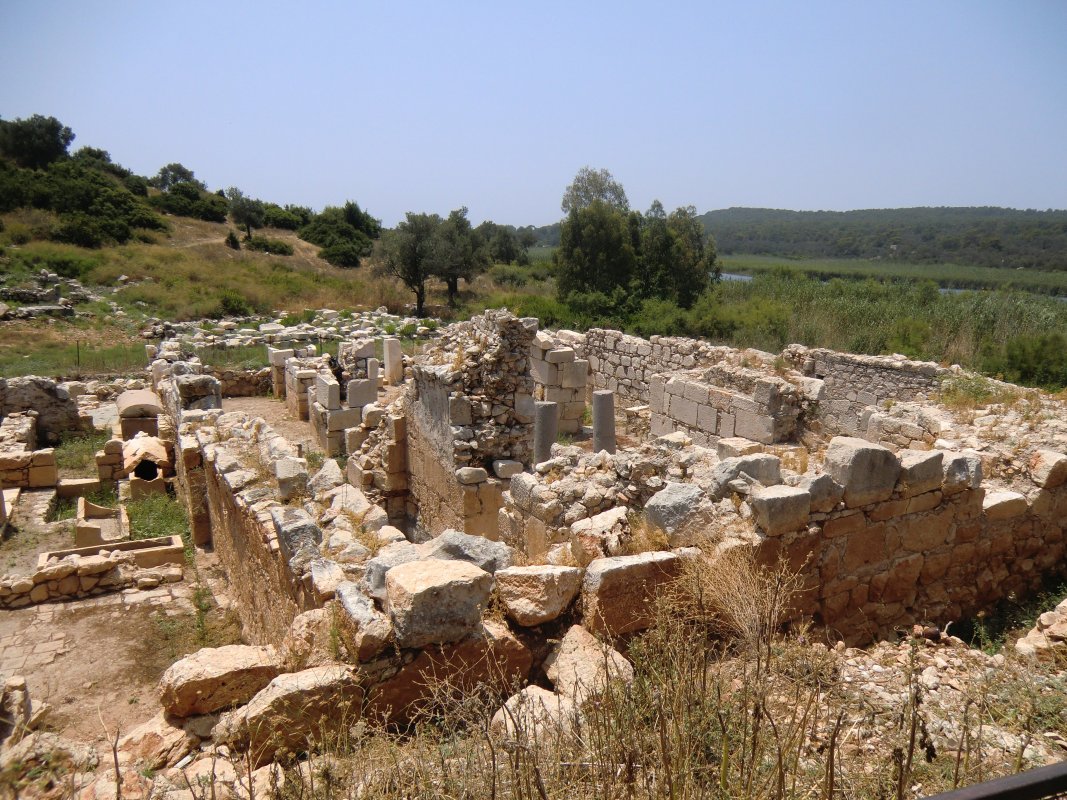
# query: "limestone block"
{"type": "Point", "coordinates": [560, 355]}
{"type": "Point", "coordinates": [42, 476]}
{"type": "Point", "coordinates": [316, 702]}
{"type": "Point", "coordinates": [618, 592]}
{"type": "Point", "coordinates": [342, 418]}
{"type": "Point", "coordinates": [328, 477]}
{"type": "Point", "coordinates": [1048, 469]}
{"type": "Point", "coordinates": [779, 509]}
{"type": "Point", "coordinates": [537, 594]}
{"type": "Point", "coordinates": [138, 403]}
{"type": "Point", "coordinates": [435, 601]}
{"type": "Point", "coordinates": [762, 467]}
{"type": "Point", "coordinates": [354, 439]}
{"type": "Point", "coordinates": [471, 475]}
{"type": "Point", "coordinates": [755, 426]}
{"type": "Point", "coordinates": [361, 392]}
{"type": "Point", "coordinates": [215, 678]}
{"type": "Point", "coordinates": [674, 506]}
{"type": "Point", "coordinates": [296, 530]}
{"type": "Point", "coordinates": [825, 491]}
{"type": "Point", "coordinates": [370, 630]}
{"type": "Point", "coordinates": [575, 374]}
{"type": "Point", "coordinates": [327, 392]}
{"type": "Point", "coordinates": [292, 477]}
{"type": "Point", "coordinates": [534, 714]}
{"type": "Point", "coordinates": [1003, 505]}
{"type": "Point", "coordinates": [920, 471]}
{"type": "Point", "coordinates": [452, 545]}
{"type": "Point", "coordinates": [522, 488]}
{"type": "Point", "coordinates": [962, 471]}
{"type": "Point", "coordinates": [505, 468]}
{"type": "Point", "coordinates": [867, 471]}
{"type": "Point", "coordinates": [323, 577]}
{"type": "Point", "coordinates": [599, 535]}
{"type": "Point", "coordinates": [581, 666]}
{"type": "Point", "coordinates": [372, 415]}
{"type": "Point", "coordinates": [158, 743]}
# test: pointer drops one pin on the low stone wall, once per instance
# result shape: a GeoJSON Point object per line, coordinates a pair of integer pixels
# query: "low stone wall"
{"type": "Point", "coordinates": [242, 382]}
{"type": "Point", "coordinates": [20, 464]}
{"type": "Point", "coordinates": [56, 410]}
{"type": "Point", "coordinates": [854, 383]}
{"type": "Point", "coordinates": [886, 541]}
{"type": "Point", "coordinates": [76, 577]}
{"type": "Point", "coordinates": [560, 377]}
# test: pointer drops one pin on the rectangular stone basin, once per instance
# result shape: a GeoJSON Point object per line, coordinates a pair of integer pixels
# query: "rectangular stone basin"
{"type": "Point", "coordinates": [99, 525]}
{"type": "Point", "coordinates": [146, 552]}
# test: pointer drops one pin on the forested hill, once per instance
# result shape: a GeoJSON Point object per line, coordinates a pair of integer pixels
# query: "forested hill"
{"type": "Point", "coordinates": [986, 236]}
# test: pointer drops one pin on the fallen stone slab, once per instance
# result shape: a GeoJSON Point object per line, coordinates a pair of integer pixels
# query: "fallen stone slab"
{"type": "Point", "coordinates": [581, 666]}
{"type": "Point", "coordinates": [156, 744]}
{"type": "Point", "coordinates": [215, 678]}
{"type": "Point", "coordinates": [433, 601]}
{"type": "Point", "coordinates": [367, 630]}
{"type": "Point", "coordinates": [537, 594]}
{"type": "Point", "coordinates": [825, 492]}
{"type": "Point", "coordinates": [618, 593]}
{"type": "Point", "coordinates": [293, 712]}
{"type": "Point", "coordinates": [761, 467]}
{"type": "Point", "coordinates": [452, 545]}
{"type": "Point", "coordinates": [377, 568]}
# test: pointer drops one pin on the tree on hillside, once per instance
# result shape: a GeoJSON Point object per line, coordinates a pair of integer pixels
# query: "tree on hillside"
{"type": "Point", "coordinates": [344, 234]}
{"type": "Point", "coordinates": [36, 142]}
{"type": "Point", "coordinates": [173, 174]}
{"type": "Point", "coordinates": [247, 212]}
{"type": "Point", "coordinates": [677, 257]}
{"type": "Point", "coordinates": [461, 252]}
{"type": "Point", "coordinates": [410, 252]}
{"type": "Point", "coordinates": [590, 185]}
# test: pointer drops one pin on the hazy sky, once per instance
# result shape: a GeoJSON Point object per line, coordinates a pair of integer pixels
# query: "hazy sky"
{"type": "Point", "coordinates": [408, 106]}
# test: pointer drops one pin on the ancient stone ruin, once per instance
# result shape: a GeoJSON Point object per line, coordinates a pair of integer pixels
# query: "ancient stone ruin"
{"type": "Point", "coordinates": [444, 545]}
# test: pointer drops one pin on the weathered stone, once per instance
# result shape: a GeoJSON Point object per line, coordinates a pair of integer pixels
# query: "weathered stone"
{"type": "Point", "coordinates": [138, 403]}
{"type": "Point", "coordinates": [492, 657]}
{"type": "Point", "coordinates": [825, 491]}
{"type": "Point", "coordinates": [961, 471]}
{"type": "Point", "coordinates": [506, 468]}
{"type": "Point", "coordinates": [762, 467]}
{"type": "Point", "coordinates": [328, 477]}
{"type": "Point", "coordinates": [388, 557]}
{"type": "Point", "coordinates": [535, 715]}
{"type": "Point", "coordinates": [537, 594]}
{"type": "Point", "coordinates": [293, 711]}
{"type": "Point", "coordinates": [435, 601]}
{"type": "Point", "coordinates": [581, 666]}
{"type": "Point", "coordinates": [867, 471]}
{"type": "Point", "coordinates": [673, 506]}
{"type": "Point", "coordinates": [369, 629]}
{"type": "Point", "coordinates": [779, 509]}
{"type": "Point", "coordinates": [156, 744]}
{"type": "Point", "coordinates": [920, 471]}
{"type": "Point", "coordinates": [215, 678]}
{"type": "Point", "coordinates": [618, 593]}
{"type": "Point", "coordinates": [599, 535]}
{"type": "Point", "coordinates": [1048, 469]}
{"type": "Point", "coordinates": [296, 530]}
{"type": "Point", "coordinates": [1003, 505]}
{"type": "Point", "coordinates": [452, 545]}
{"type": "Point", "coordinates": [292, 477]}
{"type": "Point", "coordinates": [469, 475]}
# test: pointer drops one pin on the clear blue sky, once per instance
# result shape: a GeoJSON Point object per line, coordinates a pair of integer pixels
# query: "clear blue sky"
{"type": "Point", "coordinates": [407, 106]}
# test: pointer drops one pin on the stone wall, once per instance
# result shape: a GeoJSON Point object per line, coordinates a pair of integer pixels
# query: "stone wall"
{"type": "Point", "coordinates": [752, 405]}
{"type": "Point", "coordinates": [470, 420]}
{"type": "Point", "coordinates": [21, 465]}
{"type": "Point", "coordinates": [56, 410]}
{"type": "Point", "coordinates": [559, 377]}
{"type": "Point", "coordinates": [242, 382]}
{"type": "Point", "coordinates": [852, 384]}
{"type": "Point", "coordinates": [626, 364]}
{"type": "Point", "coordinates": [885, 540]}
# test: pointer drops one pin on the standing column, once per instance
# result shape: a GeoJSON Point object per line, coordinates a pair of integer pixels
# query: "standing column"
{"type": "Point", "coordinates": [394, 361]}
{"type": "Point", "coordinates": [546, 425]}
{"type": "Point", "coordinates": [604, 421]}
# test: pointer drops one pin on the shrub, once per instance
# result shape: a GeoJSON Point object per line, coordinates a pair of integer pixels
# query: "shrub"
{"type": "Point", "coordinates": [18, 233]}
{"type": "Point", "coordinates": [232, 241]}
{"type": "Point", "coordinates": [272, 246]}
{"type": "Point", "coordinates": [232, 304]}
{"type": "Point", "coordinates": [504, 275]}
{"type": "Point", "coordinates": [344, 253]}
